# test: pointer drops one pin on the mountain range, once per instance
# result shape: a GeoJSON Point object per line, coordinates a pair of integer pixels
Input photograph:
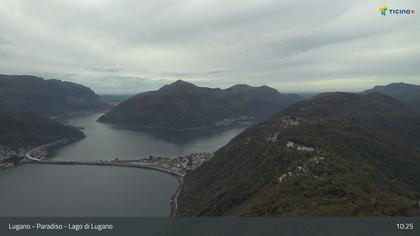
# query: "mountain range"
{"type": "Point", "coordinates": [336, 154]}
{"type": "Point", "coordinates": [23, 93]}
{"type": "Point", "coordinates": [182, 105]}
{"type": "Point", "coordinates": [409, 94]}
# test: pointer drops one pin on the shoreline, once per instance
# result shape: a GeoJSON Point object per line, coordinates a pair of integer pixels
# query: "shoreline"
{"type": "Point", "coordinates": [235, 123]}
{"type": "Point", "coordinates": [45, 147]}
{"type": "Point", "coordinates": [62, 116]}
{"type": "Point", "coordinates": [49, 146]}
{"type": "Point", "coordinates": [174, 198]}
{"type": "Point", "coordinates": [41, 154]}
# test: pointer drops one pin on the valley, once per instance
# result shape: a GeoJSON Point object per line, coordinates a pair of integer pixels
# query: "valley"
{"type": "Point", "coordinates": [105, 154]}
{"type": "Point", "coordinates": [240, 151]}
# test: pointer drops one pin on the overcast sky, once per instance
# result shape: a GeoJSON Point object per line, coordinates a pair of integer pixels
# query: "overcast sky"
{"type": "Point", "coordinates": [129, 46]}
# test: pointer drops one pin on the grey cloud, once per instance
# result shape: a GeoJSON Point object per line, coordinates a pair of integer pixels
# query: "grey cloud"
{"type": "Point", "coordinates": [4, 42]}
{"type": "Point", "coordinates": [117, 46]}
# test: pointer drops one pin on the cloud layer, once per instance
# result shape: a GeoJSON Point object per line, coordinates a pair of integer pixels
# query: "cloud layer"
{"type": "Point", "coordinates": [128, 46]}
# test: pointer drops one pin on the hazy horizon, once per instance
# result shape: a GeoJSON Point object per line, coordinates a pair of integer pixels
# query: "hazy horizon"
{"type": "Point", "coordinates": [308, 92]}
{"type": "Point", "coordinates": [128, 47]}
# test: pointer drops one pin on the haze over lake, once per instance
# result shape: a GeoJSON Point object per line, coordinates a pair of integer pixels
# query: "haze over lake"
{"type": "Point", "coordinates": [53, 190]}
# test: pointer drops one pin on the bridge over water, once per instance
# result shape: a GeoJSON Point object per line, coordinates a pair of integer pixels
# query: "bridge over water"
{"type": "Point", "coordinates": [123, 163]}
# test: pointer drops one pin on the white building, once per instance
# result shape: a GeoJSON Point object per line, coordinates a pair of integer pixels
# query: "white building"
{"type": "Point", "coordinates": [290, 145]}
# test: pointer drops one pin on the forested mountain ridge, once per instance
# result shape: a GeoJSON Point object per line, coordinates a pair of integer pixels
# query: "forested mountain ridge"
{"type": "Point", "coordinates": [24, 93]}
{"type": "Point", "coordinates": [25, 129]}
{"type": "Point", "coordinates": [182, 105]}
{"type": "Point", "coordinates": [337, 154]}
{"type": "Point", "coordinates": [408, 94]}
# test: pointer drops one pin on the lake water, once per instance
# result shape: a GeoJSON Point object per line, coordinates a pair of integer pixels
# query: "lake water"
{"type": "Point", "coordinates": [53, 190]}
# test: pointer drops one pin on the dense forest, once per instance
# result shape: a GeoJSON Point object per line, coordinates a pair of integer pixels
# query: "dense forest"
{"type": "Point", "coordinates": [408, 94]}
{"type": "Point", "coordinates": [26, 129]}
{"type": "Point", "coordinates": [182, 105]}
{"type": "Point", "coordinates": [337, 154]}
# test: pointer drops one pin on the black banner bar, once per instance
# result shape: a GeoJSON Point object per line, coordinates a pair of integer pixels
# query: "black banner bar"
{"type": "Point", "coordinates": [210, 226]}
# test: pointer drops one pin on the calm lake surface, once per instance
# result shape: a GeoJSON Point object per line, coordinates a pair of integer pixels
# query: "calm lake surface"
{"type": "Point", "coordinates": [54, 190]}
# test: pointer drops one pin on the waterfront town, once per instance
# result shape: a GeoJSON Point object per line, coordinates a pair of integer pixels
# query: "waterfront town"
{"type": "Point", "coordinates": [178, 166]}
{"type": "Point", "coordinates": [11, 157]}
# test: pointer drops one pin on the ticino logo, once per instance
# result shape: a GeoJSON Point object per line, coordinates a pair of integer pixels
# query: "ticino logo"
{"type": "Point", "coordinates": [384, 10]}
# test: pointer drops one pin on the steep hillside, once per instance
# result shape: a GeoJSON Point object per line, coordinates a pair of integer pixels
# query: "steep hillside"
{"type": "Point", "coordinates": [21, 93]}
{"type": "Point", "coordinates": [337, 154]}
{"type": "Point", "coordinates": [183, 105]}
{"type": "Point", "coordinates": [409, 94]}
{"type": "Point", "coordinates": [23, 130]}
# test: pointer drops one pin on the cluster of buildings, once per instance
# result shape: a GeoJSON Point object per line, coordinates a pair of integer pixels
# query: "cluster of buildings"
{"type": "Point", "coordinates": [299, 171]}
{"type": "Point", "coordinates": [230, 121]}
{"type": "Point", "coordinates": [6, 152]}
{"type": "Point", "coordinates": [8, 156]}
{"type": "Point", "coordinates": [180, 164]}
{"type": "Point", "coordinates": [284, 122]}
{"type": "Point", "coordinates": [287, 121]}
{"type": "Point", "coordinates": [197, 159]}
{"type": "Point", "coordinates": [38, 153]}
{"type": "Point", "coordinates": [41, 152]}
{"type": "Point", "coordinates": [292, 145]}
{"type": "Point", "coordinates": [317, 159]}
{"type": "Point", "coordinates": [272, 138]}
{"type": "Point", "coordinates": [302, 169]}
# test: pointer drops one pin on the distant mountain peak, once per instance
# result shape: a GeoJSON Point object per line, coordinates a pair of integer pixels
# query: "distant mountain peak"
{"type": "Point", "coordinates": [245, 88]}
{"type": "Point", "coordinates": [183, 105]}
{"type": "Point", "coordinates": [343, 102]}
{"type": "Point", "coordinates": [241, 86]}
{"type": "Point", "coordinates": [49, 97]}
{"type": "Point", "coordinates": [409, 94]}
{"type": "Point", "coordinates": [395, 85]}
{"type": "Point", "coordinates": [402, 83]}
{"type": "Point", "coordinates": [181, 83]}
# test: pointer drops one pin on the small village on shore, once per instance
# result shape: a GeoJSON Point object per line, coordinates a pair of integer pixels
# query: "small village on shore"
{"type": "Point", "coordinates": [9, 157]}
{"type": "Point", "coordinates": [178, 166]}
